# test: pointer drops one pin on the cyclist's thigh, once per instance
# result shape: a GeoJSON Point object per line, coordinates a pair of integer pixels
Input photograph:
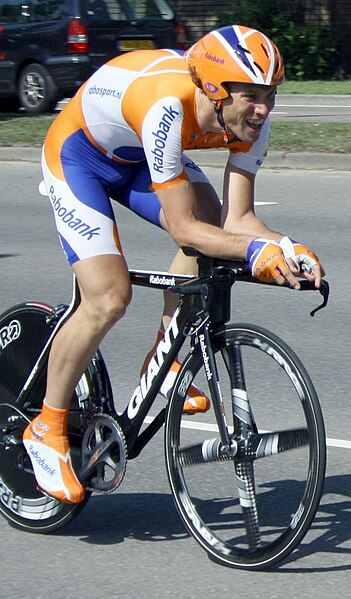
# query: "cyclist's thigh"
{"type": "Point", "coordinates": [139, 197]}
{"type": "Point", "coordinates": [83, 213]}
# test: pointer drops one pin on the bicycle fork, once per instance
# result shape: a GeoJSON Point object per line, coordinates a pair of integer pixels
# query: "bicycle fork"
{"type": "Point", "coordinates": [239, 447]}
{"type": "Point", "coordinates": [244, 427]}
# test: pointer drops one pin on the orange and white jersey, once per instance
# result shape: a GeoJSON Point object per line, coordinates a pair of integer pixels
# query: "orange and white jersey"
{"type": "Point", "coordinates": [141, 105]}
{"type": "Point", "coordinates": [127, 130]}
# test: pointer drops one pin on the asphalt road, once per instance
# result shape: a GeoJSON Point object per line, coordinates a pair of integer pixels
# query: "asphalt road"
{"type": "Point", "coordinates": [131, 543]}
{"type": "Point", "coordinates": [321, 108]}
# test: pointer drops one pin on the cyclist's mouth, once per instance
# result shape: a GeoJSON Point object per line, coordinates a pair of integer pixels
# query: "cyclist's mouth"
{"type": "Point", "coordinates": [253, 124]}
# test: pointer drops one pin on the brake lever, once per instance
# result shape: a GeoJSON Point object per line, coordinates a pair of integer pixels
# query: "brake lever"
{"type": "Point", "coordinates": [324, 291]}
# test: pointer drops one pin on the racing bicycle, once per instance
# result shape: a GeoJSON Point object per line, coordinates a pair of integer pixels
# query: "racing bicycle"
{"type": "Point", "coordinates": [246, 480]}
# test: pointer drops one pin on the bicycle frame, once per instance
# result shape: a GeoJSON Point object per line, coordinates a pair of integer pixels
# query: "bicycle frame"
{"type": "Point", "coordinates": [192, 318]}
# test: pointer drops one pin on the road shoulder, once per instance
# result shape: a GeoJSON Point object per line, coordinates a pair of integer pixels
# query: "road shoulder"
{"type": "Point", "coordinates": [217, 158]}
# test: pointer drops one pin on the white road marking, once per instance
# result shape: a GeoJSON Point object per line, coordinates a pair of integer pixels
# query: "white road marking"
{"type": "Point", "coordinates": [205, 426]}
{"type": "Point", "coordinates": [338, 443]}
{"type": "Point", "coordinates": [313, 106]}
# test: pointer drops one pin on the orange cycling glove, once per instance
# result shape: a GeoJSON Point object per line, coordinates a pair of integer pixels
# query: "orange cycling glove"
{"type": "Point", "coordinates": [266, 259]}
{"type": "Point", "coordinates": [303, 257]}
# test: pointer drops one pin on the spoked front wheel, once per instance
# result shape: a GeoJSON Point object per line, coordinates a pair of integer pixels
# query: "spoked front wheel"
{"type": "Point", "coordinates": [248, 502]}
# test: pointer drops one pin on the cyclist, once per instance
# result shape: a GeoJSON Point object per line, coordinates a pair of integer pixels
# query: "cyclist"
{"type": "Point", "coordinates": [123, 136]}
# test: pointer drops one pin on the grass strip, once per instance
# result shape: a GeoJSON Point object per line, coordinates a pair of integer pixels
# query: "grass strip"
{"type": "Point", "coordinates": [316, 87]}
{"type": "Point", "coordinates": [294, 136]}
{"type": "Point", "coordinates": [23, 130]}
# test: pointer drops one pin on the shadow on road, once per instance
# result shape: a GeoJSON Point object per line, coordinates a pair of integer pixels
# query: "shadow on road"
{"type": "Point", "coordinates": [331, 529]}
{"type": "Point", "coordinates": [152, 517]}
{"type": "Point", "coordinates": [109, 519]}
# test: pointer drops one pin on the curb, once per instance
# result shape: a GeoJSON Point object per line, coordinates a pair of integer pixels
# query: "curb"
{"type": "Point", "coordinates": [218, 158]}
{"type": "Point", "coordinates": [280, 160]}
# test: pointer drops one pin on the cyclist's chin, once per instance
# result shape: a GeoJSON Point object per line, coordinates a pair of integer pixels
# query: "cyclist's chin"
{"type": "Point", "coordinates": [244, 130]}
{"type": "Point", "coordinates": [250, 134]}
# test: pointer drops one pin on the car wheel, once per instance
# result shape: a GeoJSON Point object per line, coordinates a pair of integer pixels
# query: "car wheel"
{"type": "Point", "coordinates": [37, 92]}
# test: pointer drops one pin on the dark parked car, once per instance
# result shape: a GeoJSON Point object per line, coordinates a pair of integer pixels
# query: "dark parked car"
{"type": "Point", "coordinates": [48, 48]}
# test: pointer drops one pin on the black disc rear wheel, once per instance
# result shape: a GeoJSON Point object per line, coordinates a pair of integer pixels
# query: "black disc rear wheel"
{"type": "Point", "coordinates": [24, 331]}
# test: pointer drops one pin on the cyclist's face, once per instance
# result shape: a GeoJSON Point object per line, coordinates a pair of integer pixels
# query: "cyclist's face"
{"type": "Point", "coordinates": [246, 109]}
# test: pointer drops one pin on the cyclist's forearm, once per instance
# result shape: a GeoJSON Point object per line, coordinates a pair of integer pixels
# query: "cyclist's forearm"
{"type": "Point", "coordinates": [251, 225]}
{"type": "Point", "coordinates": [211, 240]}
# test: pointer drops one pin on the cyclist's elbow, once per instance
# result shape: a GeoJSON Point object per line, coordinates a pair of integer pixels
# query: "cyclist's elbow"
{"type": "Point", "coordinates": [181, 233]}
{"type": "Point", "coordinates": [180, 239]}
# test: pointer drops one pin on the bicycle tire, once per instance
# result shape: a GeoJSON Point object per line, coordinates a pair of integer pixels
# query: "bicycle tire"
{"type": "Point", "coordinates": [279, 495]}
{"type": "Point", "coordinates": [24, 331]}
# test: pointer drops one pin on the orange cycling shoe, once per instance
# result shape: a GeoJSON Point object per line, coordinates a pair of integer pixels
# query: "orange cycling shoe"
{"type": "Point", "coordinates": [46, 443]}
{"type": "Point", "coordinates": [195, 401]}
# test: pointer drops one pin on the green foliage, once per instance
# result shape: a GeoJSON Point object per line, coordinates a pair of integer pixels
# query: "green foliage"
{"type": "Point", "coordinates": [309, 51]}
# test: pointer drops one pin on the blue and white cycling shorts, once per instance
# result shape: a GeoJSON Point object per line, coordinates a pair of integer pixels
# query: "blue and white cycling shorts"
{"type": "Point", "coordinates": [84, 216]}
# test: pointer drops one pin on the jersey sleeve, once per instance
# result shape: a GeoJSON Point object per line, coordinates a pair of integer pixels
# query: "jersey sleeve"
{"type": "Point", "coordinates": [162, 140]}
{"type": "Point", "coordinates": [252, 160]}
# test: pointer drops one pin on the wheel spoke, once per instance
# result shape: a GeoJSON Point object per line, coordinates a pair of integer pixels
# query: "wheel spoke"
{"type": "Point", "coordinates": [246, 487]}
{"type": "Point", "coordinates": [210, 450]}
{"type": "Point", "coordinates": [277, 442]}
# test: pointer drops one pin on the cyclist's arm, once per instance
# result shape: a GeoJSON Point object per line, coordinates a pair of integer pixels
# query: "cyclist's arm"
{"type": "Point", "coordinates": [238, 215]}
{"type": "Point", "coordinates": [179, 209]}
{"type": "Point", "coordinates": [238, 190]}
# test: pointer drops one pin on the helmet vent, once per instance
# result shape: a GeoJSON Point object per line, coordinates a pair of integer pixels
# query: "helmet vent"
{"type": "Point", "coordinates": [241, 54]}
{"type": "Point", "coordinates": [265, 50]}
{"type": "Point", "coordinates": [258, 66]}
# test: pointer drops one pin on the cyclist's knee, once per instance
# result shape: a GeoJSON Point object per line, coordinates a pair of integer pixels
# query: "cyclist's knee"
{"type": "Point", "coordinates": [105, 289]}
{"type": "Point", "coordinates": [114, 305]}
{"type": "Point", "coordinates": [109, 307]}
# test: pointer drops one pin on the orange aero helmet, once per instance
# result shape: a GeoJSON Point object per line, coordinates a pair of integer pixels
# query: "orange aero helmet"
{"type": "Point", "coordinates": [234, 54]}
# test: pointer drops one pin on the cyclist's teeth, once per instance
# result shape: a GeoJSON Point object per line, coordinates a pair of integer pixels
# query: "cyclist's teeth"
{"type": "Point", "coordinates": [254, 123]}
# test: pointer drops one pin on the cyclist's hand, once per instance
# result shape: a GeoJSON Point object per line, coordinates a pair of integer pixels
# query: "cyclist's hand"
{"type": "Point", "coordinates": [267, 263]}
{"type": "Point", "coordinates": [302, 261]}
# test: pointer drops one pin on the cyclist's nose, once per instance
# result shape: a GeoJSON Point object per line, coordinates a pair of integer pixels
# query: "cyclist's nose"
{"type": "Point", "coordinates": [263, 109]}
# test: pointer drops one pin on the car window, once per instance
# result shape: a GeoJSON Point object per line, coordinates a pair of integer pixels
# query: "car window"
{"type": "Point", "coordinates": [13, 11]}
{"type": "Point", "coordinates": [47, 10]}
{"type": "Point", "coordinates": [154, 8]}
{"type": "Point", "coordinates": [109, 10]}
{"type": "Point", "coordinates": [127, 10]}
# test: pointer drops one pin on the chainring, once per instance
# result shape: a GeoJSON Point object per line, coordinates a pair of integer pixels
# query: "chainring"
{"type": "Point", "coordinates": [104, 454]}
